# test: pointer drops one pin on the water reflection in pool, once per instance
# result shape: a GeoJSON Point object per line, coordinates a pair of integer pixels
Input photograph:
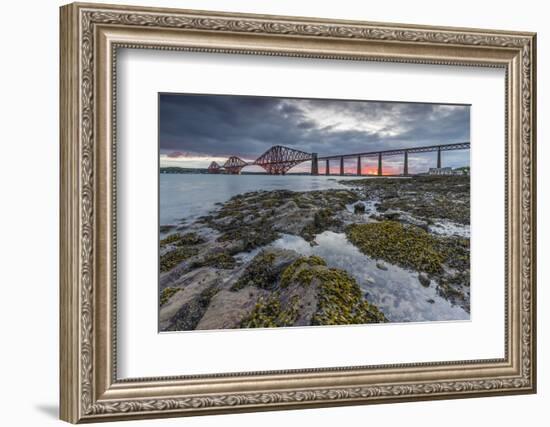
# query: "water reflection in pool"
{"type": "Point", "coordinates": [396, 291]}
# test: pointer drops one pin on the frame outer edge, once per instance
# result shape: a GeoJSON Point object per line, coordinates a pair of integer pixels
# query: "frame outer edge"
{"type": "Point", "coordinates": [77, 342]}
{"type": "Point", "coordinates": [69, 355]}
{"type": "Point", "coordinates": [533, 208]}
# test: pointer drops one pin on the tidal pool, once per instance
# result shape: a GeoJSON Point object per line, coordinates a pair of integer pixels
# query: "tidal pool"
{"type": "Point", "coordinates": [396, 291]}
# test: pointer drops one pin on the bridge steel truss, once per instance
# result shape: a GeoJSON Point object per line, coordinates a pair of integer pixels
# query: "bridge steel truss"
{"type": "Point", "coordinates": [214, 168]}
{"type": "Point", "coordinates": [278, 160]}
{"type": "Point", "coordinates": [234, 164]}
{"type": "Point", "coordinates": [404, 151]}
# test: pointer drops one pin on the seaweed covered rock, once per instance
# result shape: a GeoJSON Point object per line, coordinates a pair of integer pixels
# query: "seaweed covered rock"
{"type": "Point", "coordinates": [255, 219]}
{"type": "Point", "coordinates": [299, 270]}
{"type": "Point", "coordinates": [227, 308]}
{"type": "Point", "coordinates": [359, 208]}
{"type": "Point", "coordinates": [190, 313]}
{"type": "Point", "coordinates": [219, 259]}
{"type": "Point", "coordinates": [183, 303]}
{"type": "Point", "coordinates": [323, 220]}
{"type": "Point", "coordinates": [391, 241]}
{"type": "Point", "coordinates": [265, 269]}
{"type": "Point", "coordinates": [341, 301]}
{"type": "Point", "coordinates": [177, 248]}
{"type": "Point", "coordinates": [444, 259]}
{"type": "Point", "coordinates": [424, 280]}
{"type": "Point", "coordinates": [425, 197]}
{"type": "Point", "coordinates": [172, 258]}
{"type": "Point", "coordinates": [178, 239]}
{"type": "Point", "coordinates": [269, 313]}
{"type": "Point", "coordinates": [310, 293]}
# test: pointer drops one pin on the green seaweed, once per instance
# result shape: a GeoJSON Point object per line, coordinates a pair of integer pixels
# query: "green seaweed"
{"type": "Point", "coordinates": [187, 239]}
{"type": "Point", "coordinates": [425, 197]}
{"type": "Point", "coordinates": [190, 239]}
{"type": "Point", "coordinates": [261, 273]}
{"type": "Point", "coordinates": [268, 313]}
{"type": "Point", "coordinates": [250, 237]}
{"type": "Point", "coordinates": [173, 258]}
{"type": "Point", "coordinates": [304, 275]}
{"type": "Point", "coordinates": [222, 260]}
{"type": "Point", "coordinates": [341, 301]}
{"type": "Point", "coordinates": [172, 238]}
{"type": "Point", "coordinates": [408, 246]}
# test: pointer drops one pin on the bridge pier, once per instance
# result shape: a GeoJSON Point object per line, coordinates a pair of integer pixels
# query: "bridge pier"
{"type": "Point", "coordinates": [358, 165]}
{"type": "Point", "coordinates": [406, 164]}
{"type": "Point", "coordinates": [341, 166]}
{"type": "Point", "coordinates": [439, 157]}
{"type": "Point", "coordinates": [314, 164]}
{"type": "Point", "coordinates": [327, 167]}
{"type": "Point", "coordinates": [379, 164]}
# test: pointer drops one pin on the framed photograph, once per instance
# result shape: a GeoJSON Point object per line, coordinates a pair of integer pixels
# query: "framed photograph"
{"type": "Point", "coordinates": [266, 212]}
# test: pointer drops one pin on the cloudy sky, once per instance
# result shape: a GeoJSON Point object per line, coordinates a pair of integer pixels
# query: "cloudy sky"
{"type": "Point", "coordinates": [197, 129]}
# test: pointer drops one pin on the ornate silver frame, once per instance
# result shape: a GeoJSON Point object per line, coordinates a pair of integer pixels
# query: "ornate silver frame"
{"type": "Point", "coordinates": [90, 36]}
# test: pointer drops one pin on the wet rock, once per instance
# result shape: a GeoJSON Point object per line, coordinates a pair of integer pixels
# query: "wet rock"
{"type": "Point", "coordinates": [166, 294]}
{"type": "Point", "coordinates": [425, 197]}
{"type": "Point", "coordinates": [175, 257]}
{"type": "Point", "coordinates": [190, 313]}
{"type": "Point", "coordinates": [182, 309]}
{"type": "Point", "coordinates": [228, 308]}
{"type": "Point", "coordinates": [424, 226]}
{"type": "Point", "coordinates": [424, 280]}
{"type": "Point", "coordinates": [323, 220]}
{"type": "Point", "coordinates": [359, 208]}
{"type": "Point", "coordinates": [455, 293]}
{"type": "Point", "coordinates": [430, 300]}
{"type": "Point", "coordinates": [381, 266]}
{"type": "Point", "coordinates": [392, 216]}
{"type": "Point", "coordinates": [310, 293]}
{"type": "Point", "coordinates": [265, 269]}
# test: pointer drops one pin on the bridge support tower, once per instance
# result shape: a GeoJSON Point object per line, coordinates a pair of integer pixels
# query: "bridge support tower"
{"type": "Point", "coordinates": [314, 164]}
{"type": "Point", "coordinates": [379, 164]}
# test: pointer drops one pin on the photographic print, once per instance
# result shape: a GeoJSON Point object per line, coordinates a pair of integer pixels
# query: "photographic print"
{"type": "Point", "coordinates": [285, 212]}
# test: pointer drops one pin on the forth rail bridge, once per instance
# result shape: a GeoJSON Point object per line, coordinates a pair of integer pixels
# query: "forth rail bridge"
{"type": "Point", "coordinates": [278, 160]}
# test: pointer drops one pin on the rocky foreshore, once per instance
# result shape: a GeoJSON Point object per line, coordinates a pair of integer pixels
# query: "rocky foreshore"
{"type": "Point", "coordinates": [223, 271]}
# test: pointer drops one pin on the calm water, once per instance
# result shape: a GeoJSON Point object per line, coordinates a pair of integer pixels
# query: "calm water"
{"type": "Point", "coordinates": [396, 291]}
{"type": "Point", "coordinates": [188, 196]}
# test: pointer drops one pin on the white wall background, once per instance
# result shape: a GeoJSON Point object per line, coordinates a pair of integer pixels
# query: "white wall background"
{"type": "Point", "coordinates": [29, 170]}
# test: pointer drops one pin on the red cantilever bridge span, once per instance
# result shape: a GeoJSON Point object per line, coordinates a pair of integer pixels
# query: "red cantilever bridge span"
{"type": "Point", "coordinates": [278, 160]}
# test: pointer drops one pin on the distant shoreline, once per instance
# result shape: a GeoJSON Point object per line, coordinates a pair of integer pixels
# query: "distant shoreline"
{"type": "Point", "coordinates": [203, 171]}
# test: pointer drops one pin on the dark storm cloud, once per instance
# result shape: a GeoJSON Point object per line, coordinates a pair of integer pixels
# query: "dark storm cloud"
{"type": "Point", "coordinates": [213, 125]}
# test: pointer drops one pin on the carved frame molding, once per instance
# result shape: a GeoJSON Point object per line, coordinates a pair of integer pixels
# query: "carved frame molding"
{"type": "Point", "coordinates": [90, 36]}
